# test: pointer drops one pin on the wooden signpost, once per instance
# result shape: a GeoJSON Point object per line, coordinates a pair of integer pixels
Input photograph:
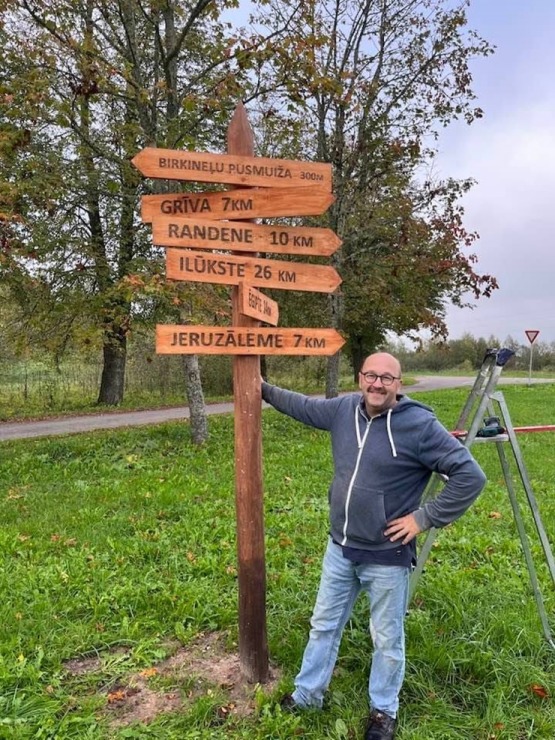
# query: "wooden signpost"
{"type": "Point", "coordinates": [288, 188]}
{"type": "Point", "coordinates": [238, 204]}
{"type": "Point", "coordinates": [175, 231]}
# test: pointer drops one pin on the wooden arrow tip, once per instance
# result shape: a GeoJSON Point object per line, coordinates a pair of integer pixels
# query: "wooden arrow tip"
{"type": "Point", "coordinates": [240, 136]}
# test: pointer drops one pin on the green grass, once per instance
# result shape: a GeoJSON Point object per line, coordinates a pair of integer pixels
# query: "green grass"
{"type": "Point", "coordinates": [119, 547]}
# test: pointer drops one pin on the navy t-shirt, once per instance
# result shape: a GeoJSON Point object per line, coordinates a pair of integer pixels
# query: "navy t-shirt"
{"type": "Point", "coordinates": [404, 555]}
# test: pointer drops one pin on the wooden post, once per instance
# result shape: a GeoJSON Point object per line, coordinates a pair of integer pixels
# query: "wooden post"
{"type": "Point", "coordinates": [249, 504]}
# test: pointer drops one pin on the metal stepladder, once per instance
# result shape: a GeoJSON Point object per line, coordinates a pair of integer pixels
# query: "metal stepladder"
{"type": "Point", "coordinates": [481, 399]}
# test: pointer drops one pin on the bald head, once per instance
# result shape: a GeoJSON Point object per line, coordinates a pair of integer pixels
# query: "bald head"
{"type": "Point", "coordinates": [383, 358]}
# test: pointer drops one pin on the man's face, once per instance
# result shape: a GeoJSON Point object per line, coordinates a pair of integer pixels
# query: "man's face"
{"type": "Point", "coordinates": [379, 396]}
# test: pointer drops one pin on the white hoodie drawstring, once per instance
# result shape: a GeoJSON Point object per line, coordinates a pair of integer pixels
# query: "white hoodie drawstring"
{"type": "Point", "coordinates": [390, 435]}
{"type": "Point", "coordinates": [360, 439]}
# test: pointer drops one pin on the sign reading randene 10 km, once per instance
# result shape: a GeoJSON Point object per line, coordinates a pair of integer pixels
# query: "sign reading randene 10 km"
{"type": "Point", "coordinates": [174, 231]}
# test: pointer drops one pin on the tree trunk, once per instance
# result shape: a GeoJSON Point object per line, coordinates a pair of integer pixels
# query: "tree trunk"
{"type": "Point", "coordinates": [195, 396]}
{"type": "Point", "coordinates": [332, 375]}
{"type": "Point", "coordinates": [333, 363]}
{"type": "Point", "coordinates": [113, 371]}
{"type": "Point", "coordinates": [358, 355]}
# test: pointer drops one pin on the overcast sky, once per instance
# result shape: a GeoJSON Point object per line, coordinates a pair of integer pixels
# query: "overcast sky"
{"type": "Point", "coordinates": [511, 153]}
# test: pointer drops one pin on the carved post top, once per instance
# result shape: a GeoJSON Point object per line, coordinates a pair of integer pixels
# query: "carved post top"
{"type": "Point", "coordinates": [240, 137]}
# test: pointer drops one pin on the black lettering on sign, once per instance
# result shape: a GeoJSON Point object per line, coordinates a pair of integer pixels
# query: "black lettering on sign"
{"type": "Point", "coordinates": [309, 342]}
{"type": "Point", "coordinates": [173, 163]}
{"type": "Point", "coordinates": [185, 206]}
{"type": "Point", "coordinates": [234, 204]}
{"type": "Point", "coordinates": [283, 239]}
{"type": "Point", "coordinates": [311, 176]}
{"type": "Point", "coordinates": [196, 232]}
{"type": "Point", "coordinates": [226, 339]}
{"type": "Point", "coordinates": [179, 339]}
{"type": "Point", "coordinates": [286, 276]}
{"type": "Point", "coordinates": [263, 272]}
{"type": "Point", "coordinates": [211, 266]}
{"type": "Point", "coordinates": [261, 170]}
{"type": "Point", "coordinates": [303, 241]}
{"type": "Point", "coordinates": [255, 301]}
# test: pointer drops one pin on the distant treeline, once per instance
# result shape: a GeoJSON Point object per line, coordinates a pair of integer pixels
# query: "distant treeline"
{"type": "Point", "coordinates": [467, 353]}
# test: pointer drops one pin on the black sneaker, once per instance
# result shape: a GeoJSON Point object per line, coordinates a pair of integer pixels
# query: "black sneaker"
{"type": "Point", "coordinates": [380, 726]}
{"type": "Point", "coordinates": [288, 704]}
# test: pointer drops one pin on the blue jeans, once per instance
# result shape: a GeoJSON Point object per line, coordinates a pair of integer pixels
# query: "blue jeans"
{"type": "Point", "coordinates": [340, 584]}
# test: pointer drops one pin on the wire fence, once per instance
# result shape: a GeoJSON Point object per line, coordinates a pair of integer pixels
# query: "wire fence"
{"type": "Point", "coordinates": [29, 386]}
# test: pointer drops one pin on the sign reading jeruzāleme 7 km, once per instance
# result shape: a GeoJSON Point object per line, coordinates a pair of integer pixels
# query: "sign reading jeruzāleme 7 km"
{"type": "Point", "coordinates": [237, 340]}
{"type": "Point", "coordinates": [170, 164]}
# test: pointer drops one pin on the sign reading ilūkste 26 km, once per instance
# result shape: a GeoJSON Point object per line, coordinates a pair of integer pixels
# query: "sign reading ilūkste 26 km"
{"type": "Point", "coordinates": [173, 231]}
{"type": "Point", "coordinates": [170, 164]}
{"type": "Point", "coordinates": [232, 270]}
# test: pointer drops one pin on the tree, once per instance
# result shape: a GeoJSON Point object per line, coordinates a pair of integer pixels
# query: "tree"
{"type": "Point", "coordinates": [372, 82]}
{"type": "Point", "coordinates": [94, 82]}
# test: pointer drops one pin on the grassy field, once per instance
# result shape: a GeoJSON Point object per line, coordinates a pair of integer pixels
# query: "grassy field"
{"type": "Point", "coordinates": [118, 616]}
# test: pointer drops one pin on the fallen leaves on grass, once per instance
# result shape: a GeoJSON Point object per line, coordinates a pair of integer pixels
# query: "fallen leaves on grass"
{"type": "Point", "coordinates": [540, 691]}
{"type": "Point", "coordinates": [203, 668]}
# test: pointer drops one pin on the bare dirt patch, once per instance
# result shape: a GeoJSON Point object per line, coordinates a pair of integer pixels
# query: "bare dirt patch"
{"type": "Point", "coordinates": [205, 667]}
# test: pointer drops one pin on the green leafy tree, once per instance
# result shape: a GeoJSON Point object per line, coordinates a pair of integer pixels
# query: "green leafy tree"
{"type": "Point", "coordinates": [372, 82]}
{"type": "Point", "coordinates": [83, 87]}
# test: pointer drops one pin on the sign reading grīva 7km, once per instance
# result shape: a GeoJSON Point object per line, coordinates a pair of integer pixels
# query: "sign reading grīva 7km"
{"type": "Point", "coordinates": [231, 169]}
{"type": "Point", "coordinates": [238, 204]}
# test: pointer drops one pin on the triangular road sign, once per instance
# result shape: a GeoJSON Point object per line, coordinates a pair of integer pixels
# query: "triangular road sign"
{"type": "Point", "coordinates": [532, 335]}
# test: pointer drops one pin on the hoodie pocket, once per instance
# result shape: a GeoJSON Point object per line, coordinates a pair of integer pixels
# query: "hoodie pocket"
{"type": "Point", "coordinates": [366, 515]}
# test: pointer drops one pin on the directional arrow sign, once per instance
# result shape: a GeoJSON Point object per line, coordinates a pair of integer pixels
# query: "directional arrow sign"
{"type": "Point", "coordinates": [257, 305]}
{"type": "Point", "coordinates": [232, 270]}
{"type": "Point", "coordinates": [175, 231]}
{"type": "Point", "coordinates": [170, 164]}
{"type": "Point", "coordinates": [238, 204]}
{"type": "Point", "coordinates": [235, 340]}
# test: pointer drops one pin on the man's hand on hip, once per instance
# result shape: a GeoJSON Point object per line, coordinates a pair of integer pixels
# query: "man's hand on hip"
{"type": "Point", "coordinates": [405, 529]}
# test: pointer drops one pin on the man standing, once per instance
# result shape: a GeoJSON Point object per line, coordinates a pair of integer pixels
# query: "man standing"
{"type": "Point", "coordinates": [385, 448]}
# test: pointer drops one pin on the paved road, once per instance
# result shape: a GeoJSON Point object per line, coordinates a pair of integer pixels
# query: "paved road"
{"type": "Point", "coordinates": [117, 419]}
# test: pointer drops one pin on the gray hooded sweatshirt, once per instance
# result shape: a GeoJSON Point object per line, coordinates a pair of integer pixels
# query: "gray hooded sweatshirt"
{"type": "Point", "coordinates": [382, 465]}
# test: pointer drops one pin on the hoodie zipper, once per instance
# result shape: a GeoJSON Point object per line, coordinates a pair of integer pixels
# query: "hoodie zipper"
{"type": "Point", "coordinates": [361, 442]}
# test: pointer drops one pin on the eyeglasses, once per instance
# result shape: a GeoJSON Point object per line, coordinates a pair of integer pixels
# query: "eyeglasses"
{"type": "Point", "coordinates": [386, 379]}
